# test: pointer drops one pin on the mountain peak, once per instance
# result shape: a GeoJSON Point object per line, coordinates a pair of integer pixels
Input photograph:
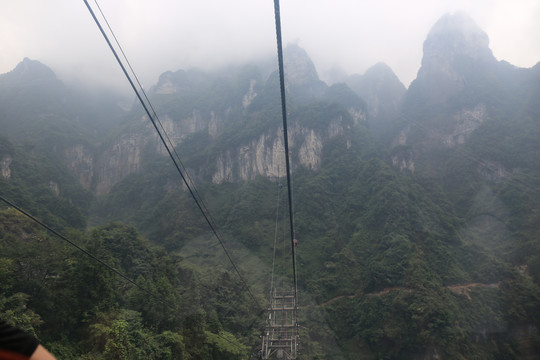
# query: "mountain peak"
{"type": "Point", "coordinates": [456, 35]}
{"type": "Point", "coordinates": [382, 72]}
{"type": "Point", "coordinates": [298, 65]}
{"type": "Point", "coordinates": [31, 70]}
{"type": "Point", "coordinates": [300, 72]}
{"type": "Point", "coordinates": [382, 91]}
{"type": "Point", "coordinates": [29, 74]}
{"type": "Point", "coordinates": [454, 47]}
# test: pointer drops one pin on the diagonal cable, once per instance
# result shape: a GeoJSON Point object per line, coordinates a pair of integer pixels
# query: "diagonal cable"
{"type": "Point", "coordinates": [175, 161]}
{"type": "Point", "coordinates": [286, 143]}
{"type": "Point", "coordinates": [101, 262]}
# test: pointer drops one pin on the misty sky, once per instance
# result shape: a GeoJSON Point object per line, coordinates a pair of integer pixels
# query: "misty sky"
{"type": "Point", "coordinates": [161, 35]}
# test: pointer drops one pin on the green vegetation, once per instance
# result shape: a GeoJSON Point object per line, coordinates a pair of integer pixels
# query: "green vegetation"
{"type": "Point", "coordinates": [44, 187]}
{"type": "Point", "coordinates": [79, 309]}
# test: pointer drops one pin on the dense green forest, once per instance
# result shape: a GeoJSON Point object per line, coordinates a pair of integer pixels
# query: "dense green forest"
{"type": "Point", "coordinates": [80, 309]}
{"type": "Point", "coordinates": [440, 260]}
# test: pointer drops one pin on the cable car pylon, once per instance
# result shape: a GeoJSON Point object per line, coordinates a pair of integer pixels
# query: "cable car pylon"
{"type": "Point", "coordinates": [281, 338]}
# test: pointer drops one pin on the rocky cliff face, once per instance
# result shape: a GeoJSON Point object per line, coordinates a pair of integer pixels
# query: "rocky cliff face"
{"type": "Point", "coordinates": [80, 160]}
{"type": "Point", "coordinates": [5, 162]}
{"type": "Point", "coordinates": [464, 123]}
{"type": "Point", "coordinates": [301, 78]}
{"type": "Point", "coordinates": [459, 87]}
{"type": "Point", "coordinates": [118, 161]}
{"type": "Point", "coordinates": [100, 172]}
{"type": "Point", "coordinates": [457, 127]}
{"type": "Point", "coordinates": [265, 155]}
{"type": "Point", "coordinates": [192, 103]}
{"type": "Point", "coordinates": [454, 39]}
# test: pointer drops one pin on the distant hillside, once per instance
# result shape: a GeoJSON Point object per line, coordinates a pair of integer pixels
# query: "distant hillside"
{"type": "Point", "coordinates": [383, 92]}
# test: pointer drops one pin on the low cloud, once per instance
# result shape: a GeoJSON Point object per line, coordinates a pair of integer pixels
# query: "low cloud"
{"type": "Point", "coordinates": [170, 35]}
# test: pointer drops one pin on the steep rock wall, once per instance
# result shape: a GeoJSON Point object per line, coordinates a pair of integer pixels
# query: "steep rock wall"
{"type": "Point", "coordinates": [5, 162]}
{"type": "Point", "coordinates": [265, 156]}
{"type": "Point", "coordinates": [118, 161]}
{"type": "Point", "coordinates": [261, 156]}
{"type": "Point", "coordinates": [80, 160]}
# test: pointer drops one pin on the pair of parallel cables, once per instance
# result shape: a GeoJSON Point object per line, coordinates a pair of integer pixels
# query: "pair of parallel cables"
{"type": "Point", "coordinates": [165, 140]}
{"type": "Point", "coordinates": [169, 146]}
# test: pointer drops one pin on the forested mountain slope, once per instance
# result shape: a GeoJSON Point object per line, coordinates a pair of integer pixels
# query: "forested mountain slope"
{"type": "Point", "coordinates": [416, 212]}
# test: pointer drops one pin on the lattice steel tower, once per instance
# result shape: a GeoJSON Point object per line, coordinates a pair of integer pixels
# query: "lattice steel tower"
{"type": "Point", "coordinates": [280, 340]}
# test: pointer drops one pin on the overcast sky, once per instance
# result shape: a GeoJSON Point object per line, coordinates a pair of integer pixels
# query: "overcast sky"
{"type": "Point", "coordinates": [161, 35]}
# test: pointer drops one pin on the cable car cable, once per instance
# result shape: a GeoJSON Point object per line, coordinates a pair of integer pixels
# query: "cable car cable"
{"type": "Point", "coordinates": [101, 262]}
{"type": "Point", "coordinates": [275, 232]}
{"type": "Point", "coordinates": [286, 143]}
{"type": "Point", "coordinates": [176, 164]}
{"type": "Point", "coordinates": [81, 249]}
{"type": "Point", "coordinates": [141, 88]}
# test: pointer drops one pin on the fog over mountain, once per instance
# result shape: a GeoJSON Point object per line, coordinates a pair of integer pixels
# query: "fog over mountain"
{"type": "Point", "coordinates": [416, 209]}
{"type": "Point", "coordinates": [168, 35]}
